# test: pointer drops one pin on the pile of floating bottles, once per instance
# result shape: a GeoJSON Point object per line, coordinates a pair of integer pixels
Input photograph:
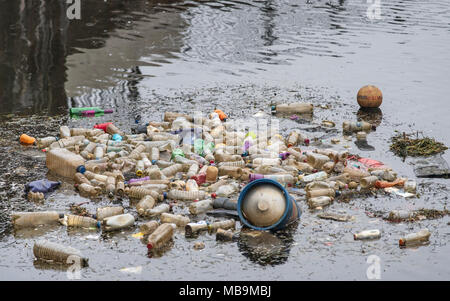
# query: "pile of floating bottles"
{"type": "Point", "coordinates": [179, 160]}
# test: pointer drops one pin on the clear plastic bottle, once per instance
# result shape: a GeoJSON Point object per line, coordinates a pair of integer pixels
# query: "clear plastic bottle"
{"type": "Point", "coordinates": [161, 208]}
{"type": "Point", "coordinates": [293, 108]}
{"type": "Point", "coordinates": [140, 192]}
{"type": "Point", "coordinates": [45, 142]}
{"type": "Point", "coordinates": [136, 153]}
{"type": "Point", "coordinates": [192, 229]}
{"type": "Point", "coordinates": [367, 234]}
{"type": "Point", "coordinates": [225, 225]}
{"type": "Point", "coordinates": [201, 206]}
{"type": "Point", "coordinates": [162, 235]}
{"type": "Point", "coordinates": [99, 151]}
{"type": "Point", "coordinates": [140, 167]}
{"type": "Point", "coordinates": [88, 150]}
{"type": "Point", "coordinates": [354, 127]}
{"type": "Point", "coordinates": [64, 163]}
{"type": "Point", "coordinates": [186, 195]}
{"type": "Point", "coordinates": [105, 212]}
{"type": "Point", "coordinates": [227, 190]}
{"type": "Point", "coordinates": [88, 189]}
{"type": "Point", "coordinates": [320, 201]}
{"type": "Point", "coordinates": [318, 176]}
{"type": "Point", "coordinates": [267, 161]}
{"type": "Point", "coordinates": [149, 227]}
{"type": "Point", "coordinates": [410, 186]}
{"type": "Point", "coordinates": [215, 186]}
{"type": "Point", "coordinates": [179, 220]}
{"type": "Point", "coordinates": [79, 221]}
{"type": "Point", "coordinates": [330, 192]}
{"type": "Point", "coordinates": [225, 235]}
{"type": "Point", "coordinates": [49, 251]}
{"type": "Point", "coordinates": [234, 172]}
{"type": "Point", "coordinates": [154, 155]}
{"type": "Point", "coordinates": [147, 202]}
{"type": "Point", "coordinates": [172, 170]}
{"type": "Point", "coordinates": [368, 182]}
{"type": "Point", "coordinates": [317, 160]}
{"type": "Point", "coordinates": [64, 131]}
{"type": "Point", "coordinates": [90, 175]}
{"type": "Point", "coordinates": [420, 237]}
{"type": "Point", "coordinates": [191, 185]}
{"type": "Point", "coordinates": [193, 169]}
{"type": "Point", "coordinates": [32, 219]}
{"type": "Point", "coordinates": [118, 222]}
{"type": "Point", "coordinates": [35, 196]}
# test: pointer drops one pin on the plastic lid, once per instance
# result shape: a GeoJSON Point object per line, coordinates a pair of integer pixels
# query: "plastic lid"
{"type": "Point", "coordinates": [165, 195]}
{"type": "Point", "coordinates": [154, 162]}
{"type": "Point", "coordinates": [338, 193]}
{"type": "Point", "coordinates": [99, 224]}
{"type": "Point", "coordinates": [264, 205]}
{"type": "Point", "coordinates": [61, 215]}
{"type": "Point", "coordinates": [374, 127]}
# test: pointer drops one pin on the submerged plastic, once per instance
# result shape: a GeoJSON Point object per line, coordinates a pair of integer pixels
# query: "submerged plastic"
{"type": "Point", "coordinates": [43, 186]}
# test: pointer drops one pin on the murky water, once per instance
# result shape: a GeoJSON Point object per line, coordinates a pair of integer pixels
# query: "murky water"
{"type": "Point", "coordinates": [150, 56]}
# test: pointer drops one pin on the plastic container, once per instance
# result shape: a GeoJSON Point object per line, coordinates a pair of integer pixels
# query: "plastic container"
{"type": "Point", "coordinates": [349, 126]}
{"type": "Point", "coordinates": [317, 160]}
{"type": "Point", "coordinates": [162, 208]}
{"type": "Point", "coordinates": [265, 205]}
{"type": "Point", "coordinates": [147, 202]}
{"type": "Point", "coordinates": [410, 186]}
{"type": "Point", "coordinates": [64, 162]}
{"type": "Point", "coordinates": [368, 182]}
{"type": "Point", "coordinates": [105, 212]}
{"type": "Point", "coordinates": [33, 219]}
{"type": "Point", "coordinates": [181, 195]}
{"type": "Point", "coordinates": [293, 108]}
{"type": "Point", "coordinates": [413, 239]}
{"type": "Point", "coordinates": [191, 185]}
{"type": "Point", "coordinates": [27, 140]}
{"type": "Point", "coordinates": [319, 201]}
{"type": "Point", "coordinates": [201, 207]}
{"type": "Point", "coordinates": [318, 176]}
{"type": "Point", "coordinates": [45, 142]}
{"type": "Point", "coordinates": [172, 170]}
{"type": "Point", "coordinates": [211, 174]}
{"type": "Point", "coordinates": [267, 161]}
{"type": "Point", "coordinates": [118, 222]}
{"type": "Point", "coordinates": [64, 132]}
{"type": "Point", "coordinates": [35, 196]}
{"type": "Point", "coordinates": [49, 251]}
{"type": "Point", "coordinates": [149, 227]}
{"type": "Point", "coordinates": [367, 234]}
{"type": "Point", "coordinates": [192, 229]}
{"type": "Point", "coordinates": [225, 235]}
{"type": "Point", "coordinates": [80, 221]}
{"type": "Point", "coordinates": [226, 224]}
{"type": "Point", "coordinates": [88, 189]}
{"type": "Point", "coordinates": [140, 192]}
{"type": "Point", "coordinates": [234, 172]}
{"type": "Point", "coordinates": [227, 190]}
{"type": "Point", "coordinates": [179, 220]}
{"type": "Point", "coordinates": [193, 169]}
{"type": "Point", "coordinates": [162, 235]}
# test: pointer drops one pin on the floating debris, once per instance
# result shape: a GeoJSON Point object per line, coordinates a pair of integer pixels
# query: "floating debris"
{"type": "Point", "coordinates": [404, 145]}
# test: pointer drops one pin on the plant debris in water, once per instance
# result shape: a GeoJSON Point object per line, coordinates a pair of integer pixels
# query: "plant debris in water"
{"type": "Point", "coordinates": [407, 145]}
{"type": "Point", "coordinates": [431, 213]}
{"type": "Point", "coordinates": [76, 209]}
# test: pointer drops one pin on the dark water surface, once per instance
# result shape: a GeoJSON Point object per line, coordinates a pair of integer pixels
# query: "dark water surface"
{"type": "Point", "coordinates": [150, 56]}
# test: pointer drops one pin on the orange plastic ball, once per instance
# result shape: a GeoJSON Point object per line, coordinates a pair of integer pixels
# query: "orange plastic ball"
{"type": "Point", "coordinates": [369, 97]}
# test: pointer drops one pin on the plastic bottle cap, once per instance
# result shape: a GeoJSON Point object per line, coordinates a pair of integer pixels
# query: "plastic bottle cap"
{"type": "Point", "coordinates": [154, 162]}
{"type": "Point", "coordinates": [149, 246]}
{"type": "Point", "coordinates": [61, 215]}
{"type": "Point", "coordinates": [213, 195]}
{"type": "Point", "coordinates": [307, 141]}
{"type": "Point", "coordinates": [165, 195]}
{"type": "Point", "coordinates": [338, 193]}
{"type": "Point", "coordinates": [374, 128]}
{"type": "Point", "coordinates": [99, 224]}
{"type": "Point", "coordinates": [81, 169]}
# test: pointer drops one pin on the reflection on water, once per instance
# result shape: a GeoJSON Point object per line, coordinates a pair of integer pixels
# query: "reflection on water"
{"type": "Point", "coordinates": [48, 62]}
{"type": "Point", "coordinates": [267, 248]}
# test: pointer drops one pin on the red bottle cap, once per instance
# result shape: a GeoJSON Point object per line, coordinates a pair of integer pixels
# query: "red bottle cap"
{"type": "Point", "coordinates": [213, 195]}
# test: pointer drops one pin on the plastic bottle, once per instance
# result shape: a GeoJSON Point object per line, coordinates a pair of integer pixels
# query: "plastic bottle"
{"type": "Point", "coordinates": [147, 202]}
{"type": "Point", "coordinates": [32, 219]}
{"type": "Point", "coordinates": [154, 154]}
{"type": "Point", "coordinates": [49, 251]}
{"type": "Point", "coordinates": [227, 190]}
{"type": "Point", "coordinates": [172, 170]}
{"type": "Point", "coordinates": [235, 172]}
{"type": "Point", "coordinates": [349, 126]}
{"type": "Point", "coordinates": [226, 224]}
{"type": "Point", "coordinates": [331, 192]}
{"type": "Point", "coordinates": [118, 222]}
{"type": "Point", "coordinates": [99, 151]}
{"type": "Point", "coordinates": [318, 176]}
{"type": "Point", "coordinates": [356, 174]}
{"type": "Point", "coordinates": [215, 186]}
{"type": "Point", "coordinates": [211, 174]}
{"type": "Point", "coordinates": [191, 185]}
{"type": "Point", "coordinates": [149, 227]}
{"type": "Point", "coordinates": [160, 236]}
{"type": "Point", "coordinates": [79, 221]}
{"type": "Point", "coordinates": [35, 196]}
{"type": "Point", "coordinates": [193, 169]}
{"type": "Point", "coordinates": [201, 206]}
{"type": "Point", "coordinates": [162, 208]}
{"type": "Point", "coordinates": [136, 153]}
{"type": "Point", "coordinates": [320, 201]}
{"type": "Point", "coordinates": [105, 212]}
{"type": "Point", "coordinates": [368, 182]}
{"type": "Point", "coordinates": [399, 215]}
{"type": "Point", "coordinates": [64, 131]}
{"type": "Point", "coordinates": [178, 184]}
{"type": "Point", "coordinates": [90, 175]}
{"type": "Point", "coordinates": [280, 178]}
{"type": "Point", "coordinates": [186, 195]}
{"type": "Point", "coordinates": [88, 189]}
{"type": "Point", "coordinates": [225, 235]}
{"type": "Point", "coordinates": [193, 229]}
{"type": "Point", "coordinates": [367, 234]}
{"type": "Point", "coordinates": [415, 238]}
{"type": "Point", "coordinates": [140, 192]}
{"type": "Point", "coordinates": [179, 220]}
{"type": "Point", "coordinates": [317, 160]}
{"type": "Point", "coordinates": [64, 163]}
{"type": "Point", "coordinates": [267, 161]}
{"type": "Point", "coordinates": [88, 150]}
{"type": "Point", "coordinates": [293, 108]}
{"type": "Point", "coordinates": [45, 142]}
{"type": "Point", "coordinates": [410, 186]}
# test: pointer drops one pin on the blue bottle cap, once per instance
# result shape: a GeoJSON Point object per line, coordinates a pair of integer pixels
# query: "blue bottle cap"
{"type": "Point", "coordinates": [81, 169]}
{"type": "Point", "coordinates": [338, 193]}
{"type": "Point", "coordinates": [99, 224]}
{"type": "Point", "coordinates": [154, 162]}
{"type": "Point", "coordinates": [165, 195]}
